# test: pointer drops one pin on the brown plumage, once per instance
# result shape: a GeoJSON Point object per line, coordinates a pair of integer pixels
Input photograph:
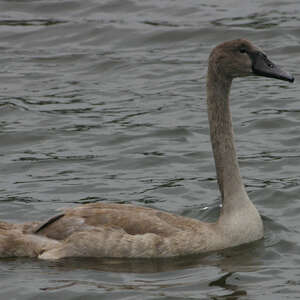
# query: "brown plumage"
{"type": "Point", "coordinates": [116, 230]}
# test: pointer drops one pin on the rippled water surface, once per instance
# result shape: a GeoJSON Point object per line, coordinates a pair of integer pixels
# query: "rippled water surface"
{"type": "Point", "coordinates": [104, 101]}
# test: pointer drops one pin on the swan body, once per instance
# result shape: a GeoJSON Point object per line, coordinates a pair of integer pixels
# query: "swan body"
{"type": "Point", "coordinates": [123, 230]}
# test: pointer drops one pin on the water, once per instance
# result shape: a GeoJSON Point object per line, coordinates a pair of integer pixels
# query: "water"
{"type": "Point", "coordinates": [105, 101]}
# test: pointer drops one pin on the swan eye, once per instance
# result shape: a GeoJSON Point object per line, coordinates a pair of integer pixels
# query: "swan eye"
{"type": "Point", "coordinates": [242, 50]}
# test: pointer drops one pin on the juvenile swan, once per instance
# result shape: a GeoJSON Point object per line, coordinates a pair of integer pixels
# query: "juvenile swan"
{"type": "Point", "coordinates": [115, 230]}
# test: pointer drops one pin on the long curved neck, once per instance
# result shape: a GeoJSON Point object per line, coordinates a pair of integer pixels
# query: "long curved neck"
{"type": "Point", "coordinates": [221, 132]}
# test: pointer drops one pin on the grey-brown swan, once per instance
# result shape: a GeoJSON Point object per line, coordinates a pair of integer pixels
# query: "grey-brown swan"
{"type": "Point", "coordinates": [116, 230]}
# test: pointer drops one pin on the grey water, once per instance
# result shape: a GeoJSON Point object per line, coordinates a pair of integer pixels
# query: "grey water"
{"type": "Point", "coordinates": [104, 101]}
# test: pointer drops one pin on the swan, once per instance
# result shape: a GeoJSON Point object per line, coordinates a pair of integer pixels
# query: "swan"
{"type": "Point", "coordinates": [128, 231]}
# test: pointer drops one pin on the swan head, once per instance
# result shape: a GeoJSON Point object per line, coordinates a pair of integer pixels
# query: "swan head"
{"type": "Point", "coordinates": [240, 58]}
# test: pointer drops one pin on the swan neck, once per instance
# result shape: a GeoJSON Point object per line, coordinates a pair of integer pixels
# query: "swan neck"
{"type": "Point", "coordinates": [222, 138]}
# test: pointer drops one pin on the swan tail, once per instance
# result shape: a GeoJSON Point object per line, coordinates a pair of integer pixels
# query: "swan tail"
{"type": "Point", "coordinates": [14, 243]}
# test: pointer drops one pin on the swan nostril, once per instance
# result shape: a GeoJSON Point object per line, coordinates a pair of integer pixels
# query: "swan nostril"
{"type": "Point", "coordinates": [268, 63]}
{"type": "Point", "coordinates": [266, 60]}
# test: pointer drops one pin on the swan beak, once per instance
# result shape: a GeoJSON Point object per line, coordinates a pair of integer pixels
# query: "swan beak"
{"type": "Point", "coordinates": [262, 66]}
